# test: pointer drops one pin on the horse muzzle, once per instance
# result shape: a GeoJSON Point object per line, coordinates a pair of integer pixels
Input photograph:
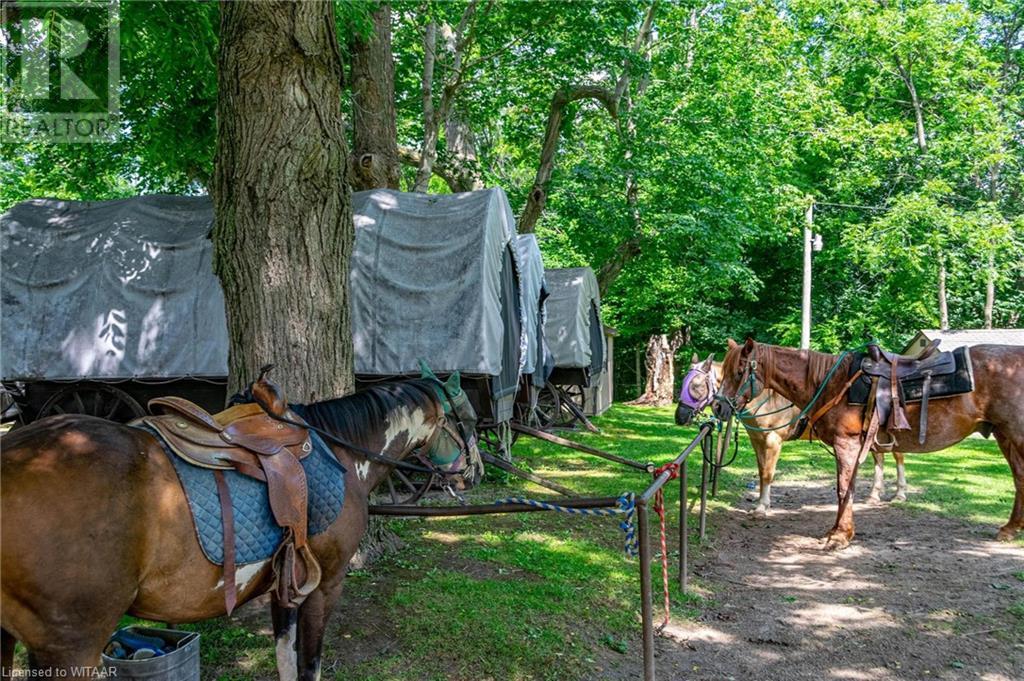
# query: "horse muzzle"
{"type": "Point", "coordinates": [684, 414]}
{"type": "Point", "coordinates": [721, 409]}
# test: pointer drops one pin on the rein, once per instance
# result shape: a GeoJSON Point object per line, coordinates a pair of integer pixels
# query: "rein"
{"type": "Point", "coordinates": [377, 457]}
{"type": "Point", "coordinates": [751, 380]}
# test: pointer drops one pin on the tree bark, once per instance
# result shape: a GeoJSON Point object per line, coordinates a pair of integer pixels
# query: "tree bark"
{"type": "Point", "coordinates": [943, 306]}
{"type": "Point", "coordinates": [659, 389]}
{"type": "Point", "coordinates": [283, 229]}
{"type": "Point", "coordinates": [454, 43]}
{"type": "Point", "coordinates": [375, 157]}
{"type": "Point", "coordinates": [461, 147]}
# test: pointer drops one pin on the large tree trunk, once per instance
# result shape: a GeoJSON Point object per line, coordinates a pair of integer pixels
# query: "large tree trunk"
{"type": "Point", "coordinates": [375, 137]}
{"type": "Point", "coordinates": [659, 390]}
{"type": "Point", "coordinates": [283, 229]}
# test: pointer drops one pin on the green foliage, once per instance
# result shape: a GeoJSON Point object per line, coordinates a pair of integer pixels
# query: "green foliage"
{"type": "Point", "coordinates": [736, 118]}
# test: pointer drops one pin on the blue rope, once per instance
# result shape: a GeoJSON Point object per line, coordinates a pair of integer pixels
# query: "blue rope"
{"type": "Point", "coordinates": [626, 507]}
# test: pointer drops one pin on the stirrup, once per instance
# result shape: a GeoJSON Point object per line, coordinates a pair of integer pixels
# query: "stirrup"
{"type": "Point", "coordinates": [288, 593]}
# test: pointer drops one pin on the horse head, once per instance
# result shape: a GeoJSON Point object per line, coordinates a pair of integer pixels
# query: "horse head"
{"type": "Point", "coordinates": [453, 447]}
{"type": "Point", "coordinates": [698, 389]}
{"type": "Point", "coordinates": [742, 378]}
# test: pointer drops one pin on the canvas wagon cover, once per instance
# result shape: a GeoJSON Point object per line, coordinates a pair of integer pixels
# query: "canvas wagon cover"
{"type": "Point", "coordinates": [532, 273]}
{"type": "Point", "coordinates": [572, 328]}
{"type": "Point", "coordinates": [110, 289]}
{"type": "Point", "coordinates": [450, 312]}
{"type": "Point", "coordinates": [116, 289]}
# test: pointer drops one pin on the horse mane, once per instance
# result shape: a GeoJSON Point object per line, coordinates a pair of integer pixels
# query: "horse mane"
{"type": "Point", "coordinates": [819, 364]}
{"type": "Point", "coordinates": [361, 416]}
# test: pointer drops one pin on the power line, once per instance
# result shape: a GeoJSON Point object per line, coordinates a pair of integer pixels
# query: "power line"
{"type": "Point", "coordinates": [850, 205]}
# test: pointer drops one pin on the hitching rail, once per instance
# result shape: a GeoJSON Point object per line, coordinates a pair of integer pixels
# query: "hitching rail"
{"type": "Point", "coordinates": [593, 451]}
{"type": "Point", "coordinates": [643, 528]}
{"type": "Point", "coordinates": [489, 509]}
{"type": "Point", "coordinates": [703, 439]}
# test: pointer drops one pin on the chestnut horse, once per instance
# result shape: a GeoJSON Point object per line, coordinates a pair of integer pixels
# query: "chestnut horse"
{"type": "Point", "coordinates": [996, 406]}
{"type": "Point", "coordinates": [773, 420]}
{"type": "Point", "coordinates": [96, 525]}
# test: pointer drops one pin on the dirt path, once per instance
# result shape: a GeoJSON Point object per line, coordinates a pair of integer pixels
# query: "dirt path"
{"type": "Point", "coordinates": [916, 596]}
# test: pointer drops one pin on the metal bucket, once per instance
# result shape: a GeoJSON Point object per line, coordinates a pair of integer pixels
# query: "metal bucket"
{"type": "Point", "coordinates": [181, 664]}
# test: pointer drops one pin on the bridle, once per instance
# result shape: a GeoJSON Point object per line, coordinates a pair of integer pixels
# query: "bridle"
{"type": "Point", "coordinates": [749, 383]}
{"type": "Point", "coordinates": [429, 455]}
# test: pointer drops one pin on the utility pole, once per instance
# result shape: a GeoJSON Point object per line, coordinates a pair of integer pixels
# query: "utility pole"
{"type": "Point", "coordinates": [805, 317]}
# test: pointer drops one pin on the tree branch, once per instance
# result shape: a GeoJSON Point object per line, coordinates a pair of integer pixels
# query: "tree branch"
{"type": "Point", "coordinates": [563, 97]}
{"type": "Point", "coordinates": [429, 153]}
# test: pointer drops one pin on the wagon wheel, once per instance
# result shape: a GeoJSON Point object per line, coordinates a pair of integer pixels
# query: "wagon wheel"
{"type": "Point", "coordinates": [549, 406]}
{"type": "Point", "coordinates": [93, 399]}
{"type": "Point", "coordinates": [575, 394]}
{"type": "Point", "coordinates": [408, 487]}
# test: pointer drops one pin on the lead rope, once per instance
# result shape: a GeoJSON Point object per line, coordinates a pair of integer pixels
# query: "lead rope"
{"type": "Point", "coordinates": [659, 508]}
{"type": "Point", "coordinates": [626, 507]}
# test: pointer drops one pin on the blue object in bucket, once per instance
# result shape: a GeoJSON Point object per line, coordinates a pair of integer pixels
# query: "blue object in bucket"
{"type": "Point", "coordinates": [257, 534]}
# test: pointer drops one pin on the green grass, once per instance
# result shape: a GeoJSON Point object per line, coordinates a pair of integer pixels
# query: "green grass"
{"type": "Point", "coordinates": [547, 596]}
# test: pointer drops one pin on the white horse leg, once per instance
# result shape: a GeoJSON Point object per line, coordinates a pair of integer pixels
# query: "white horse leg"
{"type": "Point", "coordinates": [768, 450]}
{"type": "Point", "coordinates": [286, 623]}
{"type": "Point", "coordinates": [878, 486]}
{"type": "Point", "coordinates": [901, 477]}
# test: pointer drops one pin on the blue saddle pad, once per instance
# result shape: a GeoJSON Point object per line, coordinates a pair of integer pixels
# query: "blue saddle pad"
{"type": "Point", "coordinates": [256, 532]}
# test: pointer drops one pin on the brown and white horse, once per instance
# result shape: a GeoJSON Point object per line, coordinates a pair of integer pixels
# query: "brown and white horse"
{"type": "Point", "coordinates": [96, 525]}
{"type": "Point", "coordinates": [772, 421]}
{"type": "Point", "coordinates": [996, 406]}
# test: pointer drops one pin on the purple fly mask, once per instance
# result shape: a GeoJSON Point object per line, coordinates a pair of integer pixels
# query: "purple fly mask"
{"type": "Point", "coordinates": [686, 397]}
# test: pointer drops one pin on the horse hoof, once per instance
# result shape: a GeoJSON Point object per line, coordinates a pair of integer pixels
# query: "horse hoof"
{"type": "Point", "coordinates": [900, 497]}
{"type": "Point", "coordinates": [874, 499]}
{"type": "Point", "coordinates": [1006, 534]}
{"type": "Point", "coordinates": [759, 513]}
{"type": "Point", "coordinates": [836, 542]}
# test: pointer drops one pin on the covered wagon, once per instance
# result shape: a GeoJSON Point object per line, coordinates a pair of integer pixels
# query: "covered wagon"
{"type": "Point", "coordinates": [107, 304]}
{"type": "Point", "coordinates": [575, 335]}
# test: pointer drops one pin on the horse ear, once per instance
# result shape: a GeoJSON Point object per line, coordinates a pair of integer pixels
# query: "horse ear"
{"type": "Point", "coordinates": [748, 346]}
{"type": "Point", "coordinates": [709, 361]}
{"type": "Point", "coordinates": [694, 359]}
{"type": "Point", "coordinates": [732, 344]}
{"type": "Point", "coordinates": [425, 371]}
{"type": "Point", "coordinates": [453, 383]}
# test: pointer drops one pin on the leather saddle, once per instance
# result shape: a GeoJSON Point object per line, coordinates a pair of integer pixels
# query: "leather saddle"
{"type": "Point", "coordinates": [887, 370]}
{"type": "Point", "coordinates": [248, 439]}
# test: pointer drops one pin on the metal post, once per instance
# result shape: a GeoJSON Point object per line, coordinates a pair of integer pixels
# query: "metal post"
{"type": "Point", "coordinates": [805, 310]}
{"type": "Point", "coordinates": [702, 523]}
{"type": "Point", "coordinates": [646, 608]}
{"type": "Point", "coordinates": [684, 531]}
